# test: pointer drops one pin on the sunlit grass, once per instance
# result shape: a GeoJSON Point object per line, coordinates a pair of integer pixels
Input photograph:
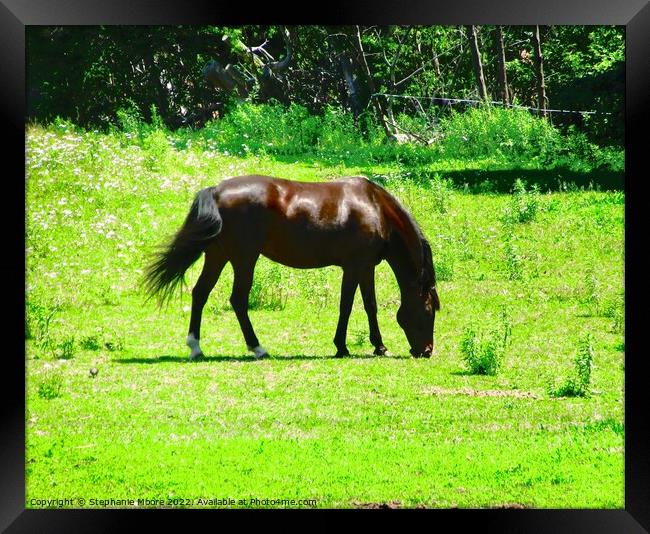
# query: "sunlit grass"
{"type": "Point", "coordinates": [346, 432]}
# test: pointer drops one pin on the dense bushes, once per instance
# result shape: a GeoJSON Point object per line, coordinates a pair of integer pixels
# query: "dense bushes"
{"type": "Point", "coordinates": [509, 137]}
{"type": "Point", "coordinates": [495, 136]}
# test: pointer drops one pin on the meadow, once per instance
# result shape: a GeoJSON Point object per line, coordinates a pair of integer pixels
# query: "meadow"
{"type": "Point", "coordinates": [116, 411]}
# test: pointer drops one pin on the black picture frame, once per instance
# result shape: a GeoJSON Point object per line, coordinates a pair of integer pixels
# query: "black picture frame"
{"type": "Point", "coordinates": [15, 15]}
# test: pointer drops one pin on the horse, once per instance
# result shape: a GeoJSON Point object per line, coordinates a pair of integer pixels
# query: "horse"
{"type": "Point", "coordinates": [349, 222]}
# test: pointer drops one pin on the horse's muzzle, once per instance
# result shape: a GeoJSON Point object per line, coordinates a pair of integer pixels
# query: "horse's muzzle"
{"type": "Point", "coordinates": [426, 353]}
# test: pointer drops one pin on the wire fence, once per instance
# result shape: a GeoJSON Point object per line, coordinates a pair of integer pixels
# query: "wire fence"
{"type": "Point", "coordinates": [445, 101]}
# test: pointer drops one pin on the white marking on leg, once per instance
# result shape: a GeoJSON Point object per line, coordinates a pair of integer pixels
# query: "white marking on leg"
{"type": "Point", "coordinates": [193, 344]}
{"type": "Point", "coordinates": [260, 352]}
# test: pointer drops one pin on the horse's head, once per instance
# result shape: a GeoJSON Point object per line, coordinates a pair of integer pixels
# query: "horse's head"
{"type": "Point", "coordinates": [417, 316]}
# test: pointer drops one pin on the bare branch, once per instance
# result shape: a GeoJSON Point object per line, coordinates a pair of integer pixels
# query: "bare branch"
{"type": "Point", "coordinates": [279, 66]}
{"type": "Point", "coordinates": [410, 76]}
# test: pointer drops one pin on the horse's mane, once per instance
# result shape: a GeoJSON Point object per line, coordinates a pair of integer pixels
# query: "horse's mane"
{"type": "Point", "coordinates": [427, 272]}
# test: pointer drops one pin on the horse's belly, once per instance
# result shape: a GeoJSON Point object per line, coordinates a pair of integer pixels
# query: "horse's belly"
{"type": "Point", "coordinates": [309, 248]}
{"type": "Point", "coordinates": [304, 253]}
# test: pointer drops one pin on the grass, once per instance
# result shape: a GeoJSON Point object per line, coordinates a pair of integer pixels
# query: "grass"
{"type": "Point", "coordinates": [348, 432]}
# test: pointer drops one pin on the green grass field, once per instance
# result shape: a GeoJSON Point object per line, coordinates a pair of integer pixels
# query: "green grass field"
{"type": "Point", "coordinates": [361, 431]}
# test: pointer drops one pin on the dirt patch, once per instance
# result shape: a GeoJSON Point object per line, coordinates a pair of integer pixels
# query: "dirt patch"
{"type": "Point", "coordinates": [378, 505]}
{"type": "Point", "coordinates": [510, 506]}
{"type": "Point", "coordinates": [392, 505]}
{"type": "Point", "coordinates": [434, 390]}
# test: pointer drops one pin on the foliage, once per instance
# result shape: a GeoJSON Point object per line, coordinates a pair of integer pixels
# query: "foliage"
{"type": "Point", "coordinates": [509, 134]}
{"type": "Point", "coordinates": [91, 74]}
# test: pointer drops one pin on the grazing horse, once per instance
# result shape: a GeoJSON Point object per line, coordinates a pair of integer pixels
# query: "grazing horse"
{"type": "Point", "coordinates": [350, 222]}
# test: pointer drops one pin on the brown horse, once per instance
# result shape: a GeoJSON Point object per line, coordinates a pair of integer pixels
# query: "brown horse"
{"type": "Point", "coordinates": [350, 222]}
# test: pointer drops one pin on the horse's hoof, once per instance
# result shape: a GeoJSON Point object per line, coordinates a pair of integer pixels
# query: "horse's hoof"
{"type": "Point", "coordinates": [342, 353]}
{"type": "Point", "coordinates": [381, 351]}
{"type": "Point", "coordinates": [197, 356]}
{"type": "Point", "coordinates": [259, 352]}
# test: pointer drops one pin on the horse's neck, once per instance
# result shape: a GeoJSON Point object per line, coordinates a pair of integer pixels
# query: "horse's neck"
{"type": "Point", "coordinates": [402, 263]}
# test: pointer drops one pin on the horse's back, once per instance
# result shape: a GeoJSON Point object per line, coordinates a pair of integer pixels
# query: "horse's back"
{"type": "Point", "coordinates": [304, 224]}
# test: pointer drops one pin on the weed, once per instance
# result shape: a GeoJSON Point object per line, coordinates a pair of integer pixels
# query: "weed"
{"type": "Point", "coordinates": [513, 260]}
{"type": "Point", "coordinates": [49, 387]}
{"type": "Point", "coordinates": [37, 325]}
{"type": "Point", "coordinates": [590, 297]}
{"type": "Point", "coordinates": [357, 338]}
{"type": "Point", "coordinates": [524, 204]}
{"type": "Point", "coordinates": [464, 241]}
{"type": "Point", "coordinates": [315, 287]}
{"type": "Point", "coordinates": [483, 353]}
{"type": "Point", "coordinates": [441, 193]}
{"type": "Point", "coordinates": [268, 291]}
{"type": "Point", "coordinates": [577, 384]}
{"type": "Point", "coordinates": [615, 310]}
{"type": "Point", "coordinates": [65, 349]}
{"type": "Point", "coordinates": [91, 342]}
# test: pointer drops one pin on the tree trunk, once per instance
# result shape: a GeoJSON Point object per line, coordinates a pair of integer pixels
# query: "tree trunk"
{"type": "Point", "coordinates": [501, 62]}
{"type": "Point", "coordinates": [371, 84]}
{"type": "Point", "coordinates": [539, 71]}
{"type": "Point", "coordinates": [476, 59]}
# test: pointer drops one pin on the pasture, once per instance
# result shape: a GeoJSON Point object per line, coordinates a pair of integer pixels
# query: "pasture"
{"type": "Point", "coordinates": [360, 431]}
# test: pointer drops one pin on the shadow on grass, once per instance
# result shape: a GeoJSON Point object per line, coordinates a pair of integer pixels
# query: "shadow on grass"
{"type": "Point", "coordinates": [220, 358]}
{"type": "Point", "coordinates": [465, 373]}
{"type": "Point", "coordinates": [486, 180]}
{"type": "Point", "coordinates": [502, 181]}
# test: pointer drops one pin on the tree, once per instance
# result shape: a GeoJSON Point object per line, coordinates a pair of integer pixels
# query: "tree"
{"type": "Point", "coordinates": [476, 60]}
{"type": "Point", "coordinates": [501, 67]}
{"type": "Point", "coordinates": [539, 72]}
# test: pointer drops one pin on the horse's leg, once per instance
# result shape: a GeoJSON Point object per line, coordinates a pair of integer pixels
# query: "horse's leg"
{"type": "Point", "coordinates": [348, 288]}
{"type": "Point", "coordinates": [239, 299]}
{"type": "Point", "coordinates": [367, 285]}
{"type": "Point", "coordinates": [212, 268]}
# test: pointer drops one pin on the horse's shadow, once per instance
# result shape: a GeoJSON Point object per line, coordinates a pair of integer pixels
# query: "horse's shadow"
{"type": "Point", "coordinates": [223, 358]}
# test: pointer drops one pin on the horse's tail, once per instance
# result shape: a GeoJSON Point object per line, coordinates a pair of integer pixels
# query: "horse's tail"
{"type": "Point", "coordinates": [167, 270]}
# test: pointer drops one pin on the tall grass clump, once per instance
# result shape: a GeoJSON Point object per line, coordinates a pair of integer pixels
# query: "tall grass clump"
{"type": "Point", "coordinates": [441, 193]}
{"type": "Point", "coordinates": [268, 291]}
{"type": "Point", "coordinates": [590, 295]}
{"type": "Point", "coordinates": [50, 385]}
{"type": "Point", "coordinates": [484, 352]}
{"type": "Point", "coordinates": [615, 310]}
{"type": "Point", "coordinates": [578, 383]}
{"type": "Point", "coordinates": [510, 135]}
{"type": "Point", "coordinates": [37, 324]}
{"type": "Point", "coordinates": [512, 258]}
{"type": "Point", "coordinates": [524, 204]}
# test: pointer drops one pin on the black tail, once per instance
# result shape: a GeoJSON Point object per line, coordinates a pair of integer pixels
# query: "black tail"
{"type": "Point", "coordinates": [167, 271]}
